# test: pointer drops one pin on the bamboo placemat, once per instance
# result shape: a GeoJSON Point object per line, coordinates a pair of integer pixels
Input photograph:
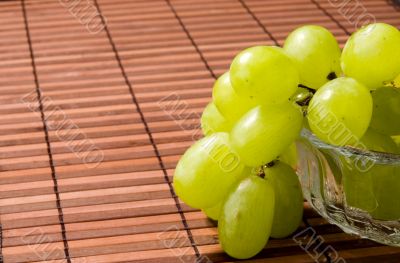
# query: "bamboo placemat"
{"type": "Point", "coordinates": [98, 100]}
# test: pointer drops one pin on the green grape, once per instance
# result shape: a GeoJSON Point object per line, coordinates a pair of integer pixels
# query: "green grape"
{"type": "Point", "coordinates": [289, 156]}
{"type": "Point", "coordinates": [264, 74]}
{"type": "Point", "coordinates": [316, 54]}
{"type": "Point", "coordinates": [397, 140]}
{"type": "Point", "coordinates": [386, 185]}
{"type": "Point", "coordinates": [246, 218]}
{"type": "Point", "coordinates": [231, 105]}
{"type": "Point", "coordinates": [358, 184]}
{"type": "Point", "coordinates": [213, 212]}
{"type": "Point", "coordinates": [212, 120]}
{"type": "Point", "coordinates": [288, 199]}
{"type": "Point", "coordinates": [375, 191]}
{"type": "Point", "coordinates": [263, 133]}
{"type": "Point", "coordinates": [386, 113]}
{"type": "Point", "coordinates": [396, 82]}
{"type": "Point", "coordinates": [358, 187]}
{"type": "Point", "coordinates": [375, 141]}
{"type": "Point", "coordinates": [385, 181]}
{"type": "Point", "coordinates": [372, 55]}
{"type": "Point", "coordinates": [207, 170]}
{"type": "Point", "coordinates": [340, 111]}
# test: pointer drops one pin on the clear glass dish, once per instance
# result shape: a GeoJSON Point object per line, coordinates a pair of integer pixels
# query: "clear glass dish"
{"type": "Point", "coordinates": [355, 189]}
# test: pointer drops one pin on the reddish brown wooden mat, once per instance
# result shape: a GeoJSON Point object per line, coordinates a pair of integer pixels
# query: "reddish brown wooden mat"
{"type": "Point", "coordinates": [98, 100]}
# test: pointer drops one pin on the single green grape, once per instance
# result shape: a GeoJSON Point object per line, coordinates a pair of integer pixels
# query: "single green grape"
{"type": "Point", "coordinates": [386, 185]}
{"type": "Point", "coordinates": [372, 55]}
{"type": "Point", "coordinates": [340, 111]}
{"type": "Point", "coordinates": [263, 133]}
{"type": "Point", "coordinates": [231, 105]}
{"type": "Point", "coordinates": [358, 184]}
{"type": "Point", "coordinates": [264, 74]}
{"type": "Point", "coordinates": [386, 111]}
{"type": "Point", "coordinates": [375, 191]}
{"type": "Point", "coordinates": [289, 156]}
{"type": "Point", "coordinates": [288, 199]}
{"type": "Point", "coordinates": [246, 219]}
{"type": "Point", "coordinates": [206, 171]}
{"type": "Point", "coordinates": [316, 54]}
{"type": "Point", "coordinates": [358, 187]}
{"type": "Point", "coordinates": [212, 121]}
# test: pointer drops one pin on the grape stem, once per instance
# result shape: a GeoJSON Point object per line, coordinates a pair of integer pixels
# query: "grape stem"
{"type": "Point", "coordinates": [331, 76]}
{"type": "Point", "coordinates": [261, 171]}
{"type": "Point", "coordinates": [307, 88]}
{"type": "Point", "coordinates": [270, 164]}
{"type": "Point", "coordinates": [305, 100]}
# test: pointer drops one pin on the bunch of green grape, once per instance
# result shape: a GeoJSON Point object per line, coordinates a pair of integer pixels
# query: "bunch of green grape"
{"type": "Point", "coordinates": [243, 172]}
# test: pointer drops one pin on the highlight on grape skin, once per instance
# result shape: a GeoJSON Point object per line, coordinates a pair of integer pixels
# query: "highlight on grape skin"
{"type": "Point", "coordinates": [242, 174]}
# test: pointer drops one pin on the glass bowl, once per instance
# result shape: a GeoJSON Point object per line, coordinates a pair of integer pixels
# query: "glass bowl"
{"type": "Point", "coordinates": [355, 189]}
